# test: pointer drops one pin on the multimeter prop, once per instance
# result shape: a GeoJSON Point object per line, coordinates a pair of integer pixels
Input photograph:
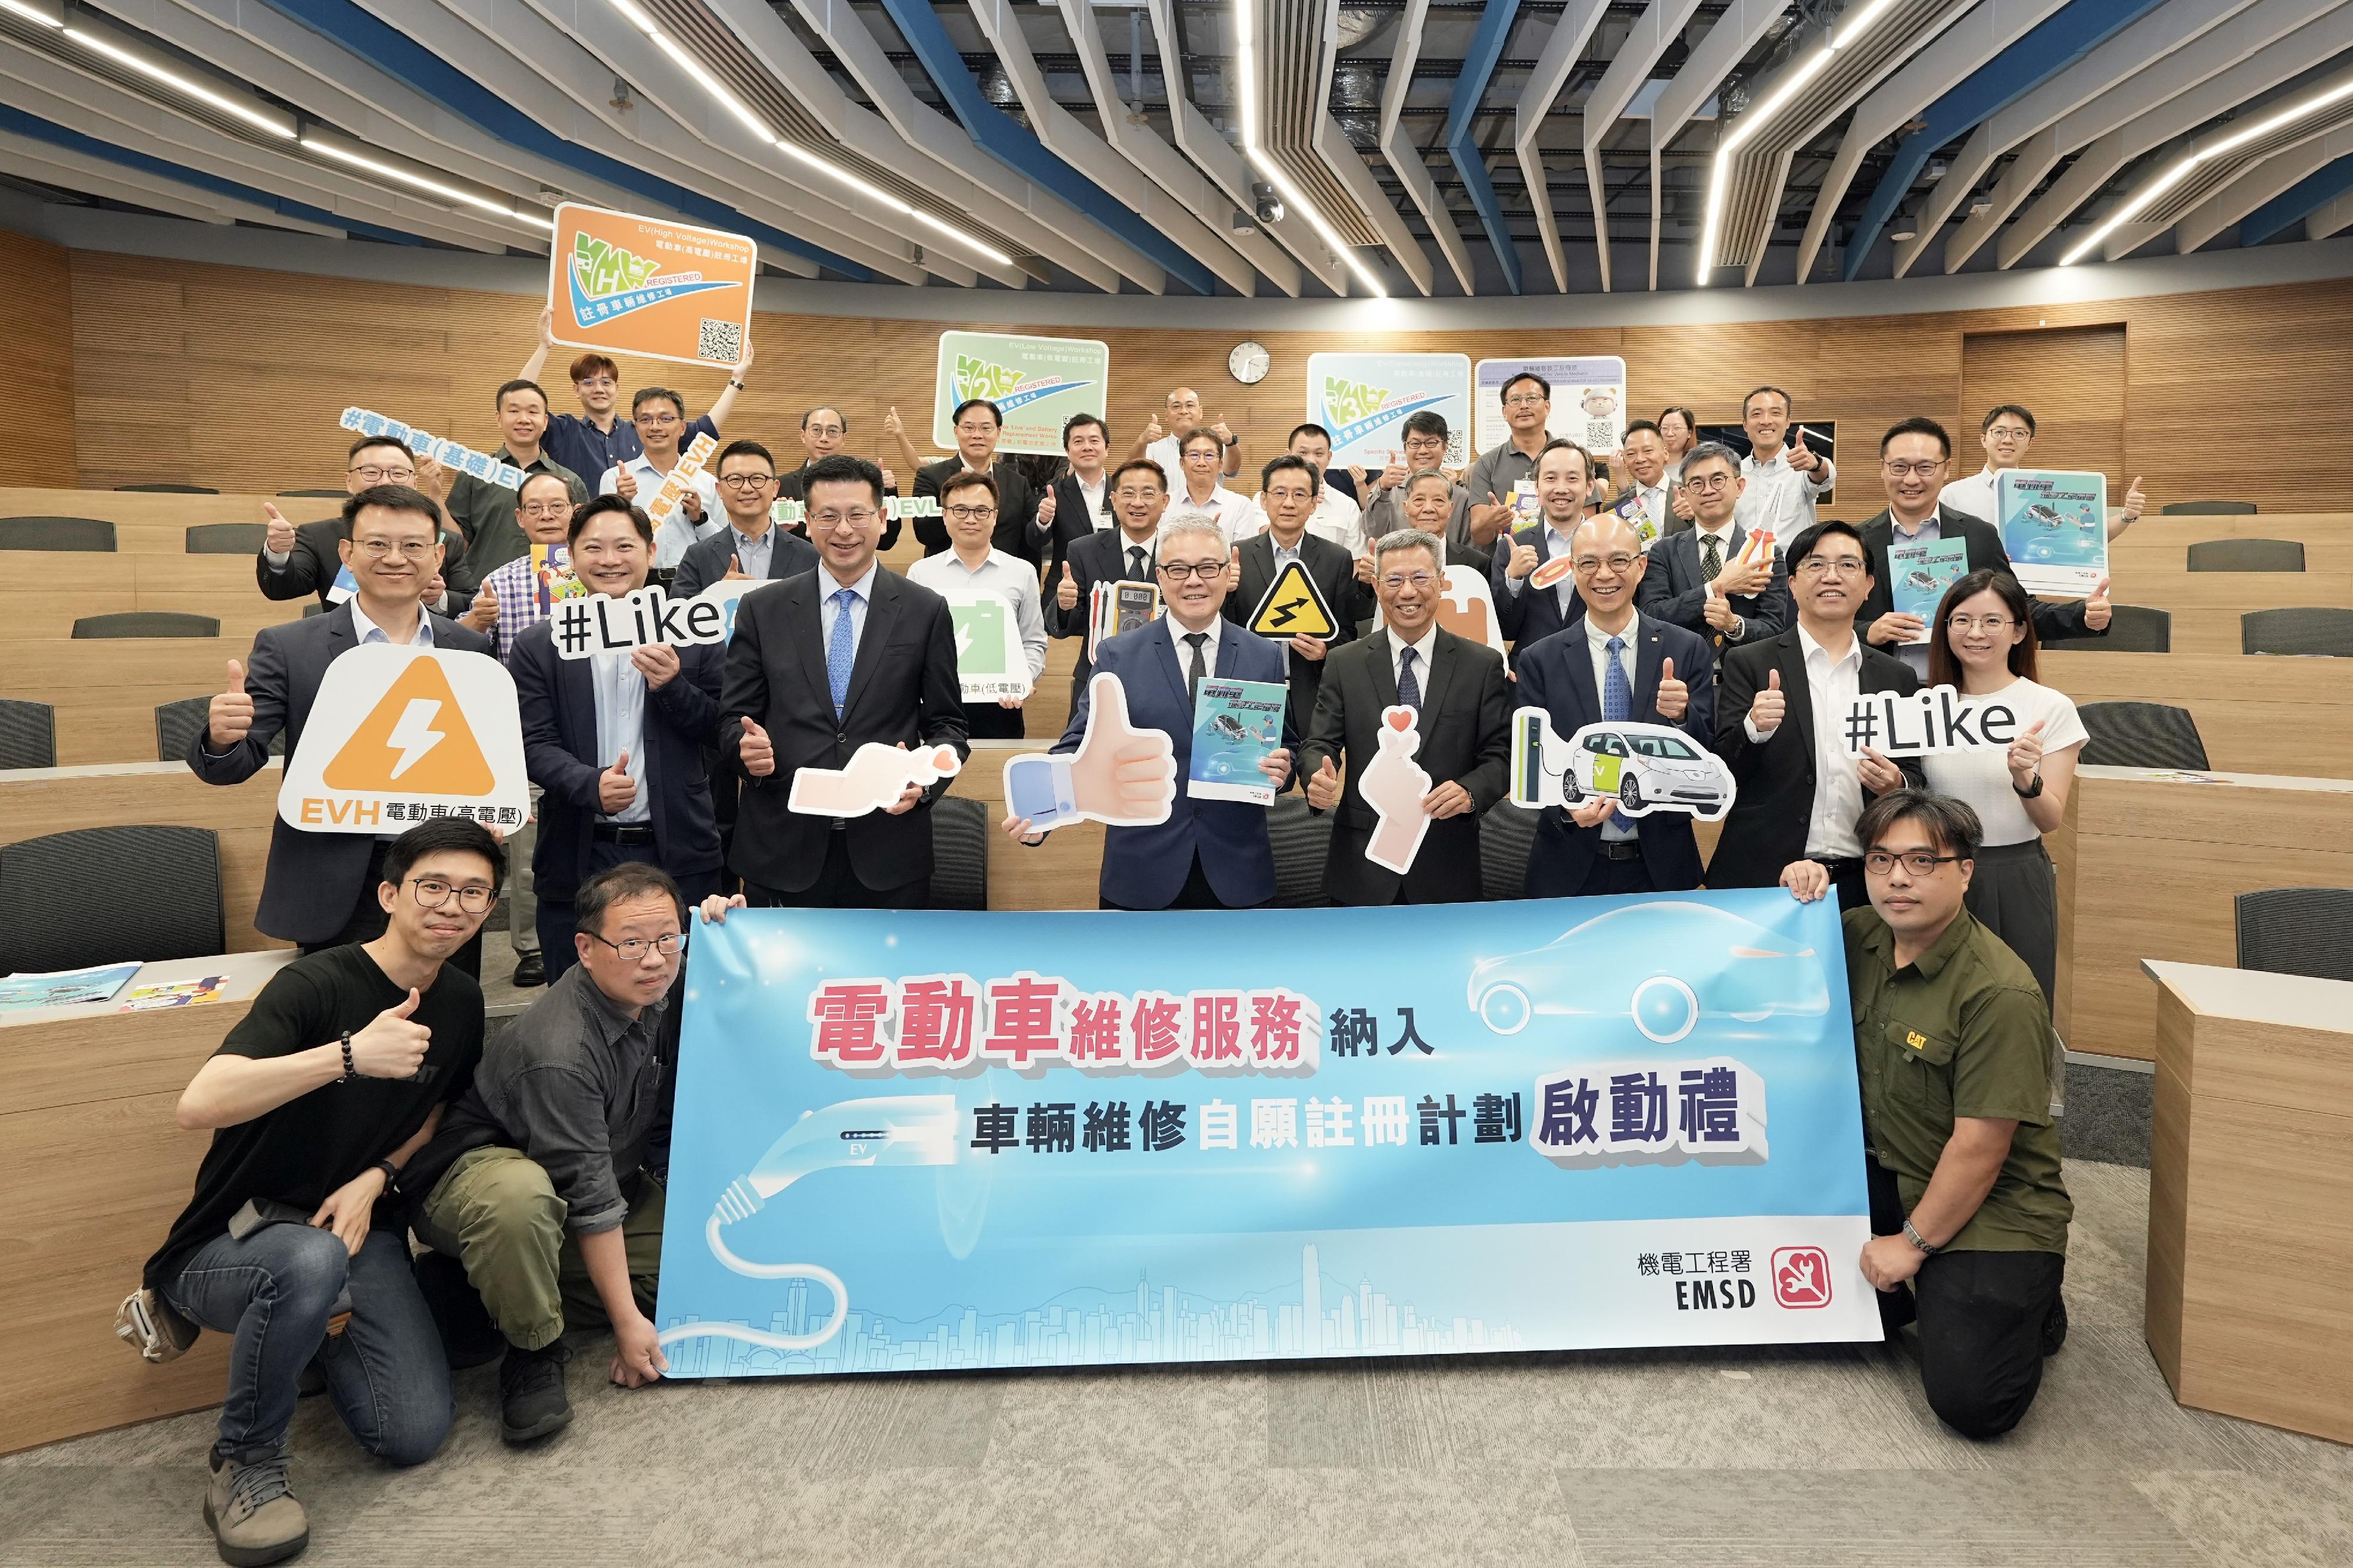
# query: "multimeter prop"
{"type": "Point", "coordinates": [1121, 775]}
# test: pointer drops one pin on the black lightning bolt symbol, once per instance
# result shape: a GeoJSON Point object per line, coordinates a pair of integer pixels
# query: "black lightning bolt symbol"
{"type": "Point", "coordinates": [1285, 614]}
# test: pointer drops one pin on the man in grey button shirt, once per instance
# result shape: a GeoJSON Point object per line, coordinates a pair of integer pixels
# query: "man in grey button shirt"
{"type": "Point", "coordinates": [536, 1182]}
{"type": "Point", "coordinates": [1527, 405]}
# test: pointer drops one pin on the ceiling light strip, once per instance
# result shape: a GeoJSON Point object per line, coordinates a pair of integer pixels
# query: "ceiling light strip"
{"type": "Point", "coordinates": [1246, 31]}
{"type": "Point", "coordinates": [274, 121]}
{"type": "Point", "coordinates": [332, 149]}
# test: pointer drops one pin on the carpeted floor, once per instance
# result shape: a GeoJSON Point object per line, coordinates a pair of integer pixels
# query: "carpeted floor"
{"type": "Point", "coordinates": [1815, 1457]}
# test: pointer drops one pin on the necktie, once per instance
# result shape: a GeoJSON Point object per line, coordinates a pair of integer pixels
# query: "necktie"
{"type": "Point", "coordinates": [1200, 666]}
{"type": "Point", "coordinates": [1712, 548]}
{"type": "Point", "coordinates": [840, 653]}
{"type": "Point", "coordinates": [1409, 684]}
{"type": "Point", "coordinates": [1617, 691]}
{"type": "Point", "coordinates": [1137, 571]}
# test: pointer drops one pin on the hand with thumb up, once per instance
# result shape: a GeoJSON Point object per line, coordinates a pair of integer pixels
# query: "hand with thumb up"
{"type": "Point", "coordinates": [1066, 592]}
{"type": "Point", "coordinates": [393, 1045]}
{"type": "Point", "coordinates": [1324, 787]}
{"type": "Point", "coordinates": [278, 535]}
{"type": "Point", "coordinates": [1123, 774]}
{"type": "Point", "coordinates": [755, 751]}
{"type": "Point", "coordinates": [616, 790]}
{"type": "Point", "coordinates": [231, 714]}
{"type": "Point", "coordinates": [1767, 710]}
{"type": "Point", "coordinates": [1673, 700]}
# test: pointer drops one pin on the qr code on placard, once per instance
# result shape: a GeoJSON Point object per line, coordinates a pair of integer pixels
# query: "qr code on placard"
{"type": "Point", "coordinates": [721, 342]}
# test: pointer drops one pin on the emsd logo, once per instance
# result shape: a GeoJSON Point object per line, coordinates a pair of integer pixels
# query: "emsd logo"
{"type": "Point", "coordinates": [1801, 1276]}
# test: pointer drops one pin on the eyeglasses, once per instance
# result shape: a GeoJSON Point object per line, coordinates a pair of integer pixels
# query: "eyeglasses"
{"type": "Point", "coordinates": [827, 432]}
{"type": "Point", "coordinates": [1586, 565]}
{"type": "Point", "coordinates": [1203, 454]}
{"type": "Point", "coordinates": [2011, 433]}
{"type": "Point", "coordinates": [1816, 566]}
{"type": "Point", "coordinates": [546, 509]}
{"type": "Point", "coordinates": [746, 481]}
{"type": "Point", "coordinates": [1177, 570]}
{"type": "Point", "coordinates": [1919, 862]}
{"type": "Point", "coordinates": [1903, 470]}
{"type": "Point", "coordinates": [376, 476]}
{"type": "Point", "coordinates": [969, 513]}
{"type": "Point", "coordinates": [1425, 444]}
{"type": "Point", "coordinates": [659, 419]}
{"type": "Point", "coordinates": [1706, 484]}
{"type": "Point", "coordinates": [396, 548]}
{"type": "Point", "coordinates": [633, 949]}
{"type": "Point", "coordinates": [1422, 580]}
{"type": "Point", "coordinates": [1996, 624]}
{"type": "Point", "coordinates": [597, 384]}
{"type": "Point", "coordinates": [1523, 400]}
{"type": "Point", "coordinates": [432, 893]}
{"type": "Point", "coordinates": [1138, 492]}
{"type": "Point", "coordinates": [859, 518]}
{"type": "Point", "coordinates": [971, 429]}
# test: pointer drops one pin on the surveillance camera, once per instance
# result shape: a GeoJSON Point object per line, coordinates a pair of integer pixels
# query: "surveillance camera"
{"type": "Point", "coordinates": [1268, 205]}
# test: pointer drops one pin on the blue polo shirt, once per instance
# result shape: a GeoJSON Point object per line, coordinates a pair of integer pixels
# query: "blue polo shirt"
{"type": "Point", "coordinates": [575, 443]}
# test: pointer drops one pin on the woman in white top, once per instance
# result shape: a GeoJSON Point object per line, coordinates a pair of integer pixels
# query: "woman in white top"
{"type": "Point", "coordinates": [1983, 645]}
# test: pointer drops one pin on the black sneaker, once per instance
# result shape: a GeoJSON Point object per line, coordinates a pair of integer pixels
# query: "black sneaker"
{"type": "Point", "coordinates": [531, 1402]}
{"type": "Point", "coordinates": [2054, 1326]}
{"type": "Point", "coordinates": [530, 971]}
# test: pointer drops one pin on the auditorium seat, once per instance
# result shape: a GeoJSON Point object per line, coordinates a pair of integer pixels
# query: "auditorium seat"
{"type": "Point", "coordinates": [171, 490]}
{"type": "Point", "coordinates": [2296, 930]}
{"type": "Point", "coordinates": [55, 533]}
{"type": "Point", "coordinates": [176, 724]}
{"type": "Point", "coordinates": [147, 623]}
{"type": "Point", "coordinates": [2141, 735]}
{"type": "Point", "coordinates": [228, 538]}
{"type": "Point", "coordinates": [959, 854]}
{"type": "Point", "coordinates": [2132, 628]}
{"type": "Point", "coordinates": [2208, 508]}
{"type": "Point", "coordinates": [28, 734]}
{"type": "Point", "coordinates": [1507, 835]}
{"type": "Point", "coordinates": [109, 895]}
{"type": "Point", "coordinates": [1302, 841]}
{"type": "Point", "coordinates": [2304, 629]}
{"type": "Point", "coordinates": [2246, 555]}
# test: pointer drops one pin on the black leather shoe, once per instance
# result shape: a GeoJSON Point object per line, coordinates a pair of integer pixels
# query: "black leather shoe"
{"type": "Point", "coordinates": [2054, 1327]}
{"type": "Point", "coordinates": [530, 971]}
{"type": "Point", "coordinates": [532, 1402]}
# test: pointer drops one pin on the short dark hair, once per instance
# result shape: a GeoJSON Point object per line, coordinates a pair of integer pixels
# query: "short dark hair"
{"type": "Point", "coordinates": [1562, 443]}
{"type": "Point", "coordinates": [1918, 424]}
{"type": "Point", "coordinates": [1789, 402]}
{"type": "Point", "coordinates": [1953, 825]}
{"type": "Point", "coordinates": [1998, 409]}
{"type": "Point", "coordinates": [630, 880]}
{"type": "Point", "coordinates": [1943, 668]}
{"type": "Point", "coordinates": [1650, 425]}
{"type": "Point", "coordinates": [1198, 433]}
{"type": "Point", "coordinates": [1310, 429]}
{"type": "Point", "coordinates": [1147, 465]}
{"type": "Point", "coordinates": [808, 413]}
{"type": "Point", "coordinates": [603, 505]}
{"type": "Point", "coordinates": [588, 364]}
{"type": "Point", "coordinates": [1427, 422]}
{"type": "Point", "coordinates": [1811, 538]}
{"type": "Point", "coordinates": [1284, 464]}
{"type": "Point", "coordinates": [365, 442]}
{"type": "Point", "coordinates": [1691, 420]}
{"type": "Point", "coordinates": [745, 448]}
{"type": "Point", "coordinates": [970, 479]}
{"type": "Point", "coordinates": [1711, 451]}
{"type": "Point", "coordinates": [541, 474]}
{"type": "Point", "coordinates": [1080, 418]}
{"type": "Point", "coordinates": [518, 384]}
{"type": "Point", "coordinates": [1542, 384]}
{"type": "Point", "coordinates": [646, 395]}
{"type": "Point", "coordinates": [445, 834]}
{"type": "Point", "coordinates": [399, 498]}
{"type": "Point", "coordinates": [971, 403]}
{"type": "Point", "coordinates": [843, 468]}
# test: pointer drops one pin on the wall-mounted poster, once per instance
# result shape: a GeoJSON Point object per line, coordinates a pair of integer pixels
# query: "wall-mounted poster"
{"type": "Point", "coordinates": [1036, 383]}
{"type": "Point", "coordinates": [1364, 399]}
{"type": "Point", "coordinates": [1588, 400]}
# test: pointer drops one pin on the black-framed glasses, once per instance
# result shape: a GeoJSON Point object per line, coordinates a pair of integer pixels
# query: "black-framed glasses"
{"type": "Point", "coordinates": [746, 481]}
{"type": "Point", "coordinates": [633, 949]}
{"type": "Point", "coordinates": [1177, 570]}
{"type": "Point", "coordinates": [1919, 862]}
{"type": "Point", "coordinates": [375, 475]}
{"type": "Point", "coordinates": [432, 893]}
{"type": "Point", "coordinates": [969, 513]}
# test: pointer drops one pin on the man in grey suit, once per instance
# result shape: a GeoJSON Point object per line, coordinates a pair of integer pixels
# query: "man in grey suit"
{"type": "Point", "coordinates": [320, 889]}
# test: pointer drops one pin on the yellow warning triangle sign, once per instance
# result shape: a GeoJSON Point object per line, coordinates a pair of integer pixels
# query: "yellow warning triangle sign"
{"type": "Point", "coordinates": [1292, 608]}
{"type": "Point", "coordinates": [415, 741]}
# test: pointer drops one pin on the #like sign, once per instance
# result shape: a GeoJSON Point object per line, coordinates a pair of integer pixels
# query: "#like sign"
{"type": "Point", "coordinates": [1939, 719]}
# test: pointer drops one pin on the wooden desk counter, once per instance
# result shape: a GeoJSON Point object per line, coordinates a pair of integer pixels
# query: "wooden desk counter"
{"type": "Point", "coordinates": [2256, 715]}
{"type": "Point", "coordinates": [2250, 1196]}
{"type": "Point", "coordinates": [1064, 873]}
{"type": "Point", "coordinates": [92, 1172]}
{"type": "Point", "coordinates": [2148, 862]}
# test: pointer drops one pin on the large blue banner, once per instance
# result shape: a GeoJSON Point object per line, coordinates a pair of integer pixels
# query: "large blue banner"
{"type": "Point", "coordinates": [909, 1142]}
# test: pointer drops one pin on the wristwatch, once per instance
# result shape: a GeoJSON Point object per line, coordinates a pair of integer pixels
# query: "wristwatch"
{"type": "Point", "coordinates": [1913, 1236]}
{"type": "Point", "coordinates": [2029, 793]}
{"type": "Point", "coordinates": [735, 384]}
{"type": "Point", "coordinates": [391, 1173]}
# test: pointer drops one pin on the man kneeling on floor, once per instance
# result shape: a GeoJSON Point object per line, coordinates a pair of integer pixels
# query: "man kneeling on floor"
{"type": "Point", "coordinates": [537, 1178]}
{"type": "Point", "coordinates": [1952, 1041]}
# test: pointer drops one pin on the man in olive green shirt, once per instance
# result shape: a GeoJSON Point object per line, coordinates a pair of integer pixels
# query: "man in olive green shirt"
{"type": "Point", "coordinates": [487, 511]}
{"type": "Point", "coordinates": [1952, 1042]}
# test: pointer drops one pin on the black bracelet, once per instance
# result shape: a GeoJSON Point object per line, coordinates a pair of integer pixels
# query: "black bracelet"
{"type": "Point", "coordinates": [391, 1173]}
{"type": "Point", "coordinates": [351, 1068]}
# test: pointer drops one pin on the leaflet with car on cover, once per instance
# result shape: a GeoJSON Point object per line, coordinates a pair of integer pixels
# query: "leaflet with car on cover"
{"type": "Point", "coordinates": [1638, 517]}
{"type": "Point", "coordinates": [1588, 400]}
{"type": "Point", "coordinates": [1932, 718]}
{"type": "Point", "coordinates": [877, 777]}
{"type": "Point", "coordinates": [1643, 767]}
{"type": "Point", "coordinates": [1237, 725]}
{"type": "Point", "coordinates": [1921, 573]}
{"type": "Point", "coordinates": [1293, 606]}
{"type": "Point", "coordinates": [934, 1140]}
{"type": "Point", "coordinates": [1122, 775]}
{"type": "Point", "coordinates": [990, 660]}
{"type": "Point", "coordinates": [2054, 526]}
{"type": "Point", "coordinates": [66, 987]}
{"type": "Point", "coordinates": [629, 285]}
{"type": "Point", "coordinates": [1035, 383]}
{"type": "Point", "coordinates": [400, 735]}
{"type": "Point", "coordinates": [1364, 399]}
{"type": "Point", "coordinates": [1395, 785]}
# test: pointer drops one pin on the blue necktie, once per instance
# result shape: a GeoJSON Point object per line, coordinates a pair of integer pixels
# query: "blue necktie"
{"type": "Point", "coordinates": [841, 652]}
{"type": "Point", "coordinates": [1409, 685]}
{"type": "Point", "coordinates": [1617, 691]}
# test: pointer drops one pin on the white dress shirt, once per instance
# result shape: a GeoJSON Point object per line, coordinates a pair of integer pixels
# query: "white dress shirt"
{"type": "Point", "coordinates": [1337, 518]}
{"type": "Point", "coordinates": [1778, 497]}
{"type": "Point", "coordinates": [674, 537]}
{"type": "Point", "coordinates": [1973, 495]}
{"type": "Point", "coordinates": [1008, 577]}
{"type": "Point", "coordinates": [1833, 685]}
{"type": "Point", "coordinates": [1596, 642]}
{"type": "Point", "coordinates": [1178, 633]}
{"type": "Point", "coordinates": [1422, 653]}
{"type": "Point", "coordinates": [1234, 511]}
{"type": "Point", "coordinates": [621, 687]}
{"type": "Point", "coordinates": [1094, 499]}
{"type": "Point", "coordinates": [370, 631]}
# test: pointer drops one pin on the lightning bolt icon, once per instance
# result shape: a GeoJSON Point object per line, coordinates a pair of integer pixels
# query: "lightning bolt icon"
{"type": "Point", "coordinates": [1286, 613]}
{"type": "Point", "coordinates": [414, 735]}
{"type": "Point", "coordinates": [963, 641]}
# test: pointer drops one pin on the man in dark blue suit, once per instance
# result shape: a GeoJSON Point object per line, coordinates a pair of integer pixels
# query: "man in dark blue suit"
{"type": "Point", "coordinates": [320, 889]}
{"type": "Point", "coordinates": [1528, 614]}
{"type": "Point", "coordinates": [1695, 579]}
{"type": "Point", "coordinates": [1209, 854]}
{"type": "Point", "coordinates": [1615, 665]}
{"type": "Point", "coordinates": [615, 741]}
{"type": "Point", "coordinates": [750, 546]}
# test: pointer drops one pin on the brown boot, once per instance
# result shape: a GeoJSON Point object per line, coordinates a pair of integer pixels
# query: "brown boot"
{"type": "Point", "coordinates": [252, 1512]}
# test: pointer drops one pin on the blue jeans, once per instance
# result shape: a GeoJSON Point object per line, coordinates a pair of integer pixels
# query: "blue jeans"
{"type": "Point", "coordinates": [387, 1373]}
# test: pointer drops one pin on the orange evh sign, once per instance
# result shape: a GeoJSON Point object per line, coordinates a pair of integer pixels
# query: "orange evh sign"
{"type": "Point", "coordinates": [403, 735]}
{"type": "Point", "coordinates": [642, 286]}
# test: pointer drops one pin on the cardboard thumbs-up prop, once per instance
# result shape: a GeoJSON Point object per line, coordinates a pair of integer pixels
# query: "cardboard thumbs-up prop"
{"type": "Point", "coordinates": [1394, 785]}
{"type": "Point", "coordinates": [874, 780]}
{"type": "Point", "coordinates": [1122, 775]}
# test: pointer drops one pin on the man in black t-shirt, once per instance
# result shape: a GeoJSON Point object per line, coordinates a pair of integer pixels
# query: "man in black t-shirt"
{"type": "Point", "coordinates": [317, 1099]}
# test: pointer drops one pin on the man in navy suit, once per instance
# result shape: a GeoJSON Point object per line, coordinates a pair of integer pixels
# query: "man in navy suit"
{"type": "Point", "coordinates": [615, 741]}
{"type": "Point", "coordinates": [1209, 854]}
{"type": "Point", "coordinates": [1695, 580]}
{"type": "Point", "coordinates": [1528, 614]}
{"type": "Point", "coordinates": [750, 546]}
{"type": "Point", "coordinates": [319, 890]}
{"type": "Point", "coordinates": [1125, 552]}
{"type": "Point", "coordinates": [1615, 665]}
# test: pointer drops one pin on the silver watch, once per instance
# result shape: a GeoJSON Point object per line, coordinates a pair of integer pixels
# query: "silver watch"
{"type": "Point", "coordinates": [1914, 1237]}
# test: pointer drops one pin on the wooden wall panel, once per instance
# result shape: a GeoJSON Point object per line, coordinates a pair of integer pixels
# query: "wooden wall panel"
{"type": "Point", "coordinates": [179, 366]}
{"type": "Point", "coordinates": [36, 341]}
{"type": "Point", "coordinates": [2072, 378]}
